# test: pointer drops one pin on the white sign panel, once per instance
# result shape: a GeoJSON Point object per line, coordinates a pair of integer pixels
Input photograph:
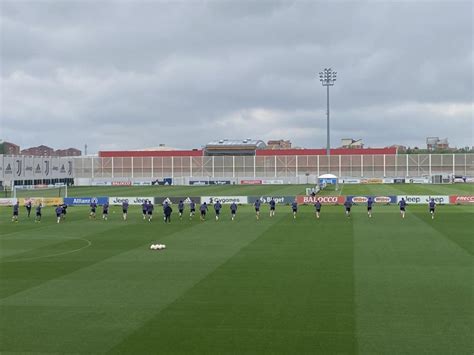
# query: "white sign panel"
{"type": "Point", "coordinates": [225, 200]}
{"type": "Point", "coordinates": [272, 182]}
{"type": "Point", "coordinates": [424, 199]}
{"type": "Point", "coordinates": [418, 180]}
{"type": "Point", "coordinates": [117, 201]}
{"type": "Point", "coordinates": [7, 201]}
{"type": "Point", "coordinates": [349, 181]}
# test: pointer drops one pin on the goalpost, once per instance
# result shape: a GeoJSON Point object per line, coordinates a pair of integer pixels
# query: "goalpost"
{"type": "Point", "coordinates": [26, 191]}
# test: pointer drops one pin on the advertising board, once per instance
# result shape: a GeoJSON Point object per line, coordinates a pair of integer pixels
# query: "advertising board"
{"type": "Point", "coordinates": [251, 182]}
{"type": "Point", "coordinates": [85, 201]}
{"type": "Point", "coordinates": [272, 182]}
{"type": "Point", "coordinates": [175, 200]}
{"type": "Point", "coordinates": [377, 199]}
{"type": "Point", "coordinates": [164, 181]}
{"type": "Point", "coordinates": [349, 181]}
{"type": "Point", "coordinates": [424, 199]}
{"type": "Point", "coordinates": [117, 201]}
{"type": "Point", "coordinates": [418, 181]}
{"type": "Point", "coordinates": [284, 200]}
{"type": "Point", "coordinates": [219, 182]}
{"type": "Point", "coordinates": [371, 181]}
{"type": "Point", "coordinates": [7, 201]}
{"type": "Point", "coordinates": [324, 200]}
{"type": "Point", "coordinates": [121, 183]}
{"type": "Point", "coordinates": [461, 200]}
{"type": "Point", "coordinates": [398, 181]}
{"type": "Point", "coordinates": [45, 201]}
{"type": "Point", "coordinates": [225, 200]}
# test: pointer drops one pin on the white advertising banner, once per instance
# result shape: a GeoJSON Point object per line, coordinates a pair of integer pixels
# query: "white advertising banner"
{"type": "Point", "coordinates": [418, 180]}
{"type": "Point", "coordinates": [424, 199]}
{"type": "Point", "coordinates": [349, 181]}
{"type": "Point", "coordinates": [225, 200]}
{"type": "Point", "coordinates": [7, 201]}
{"type": "Point", "coordinates": [117, 201]}
{"type": "Point", "coordinates": [272, 182]}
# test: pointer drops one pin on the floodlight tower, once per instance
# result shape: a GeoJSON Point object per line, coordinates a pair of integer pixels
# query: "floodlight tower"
{"type": "Point", "coordinates": [327, 78]}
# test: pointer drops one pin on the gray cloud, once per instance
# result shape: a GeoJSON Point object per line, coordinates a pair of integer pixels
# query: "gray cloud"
{"type": "Point", "coordinates": [120, 75]}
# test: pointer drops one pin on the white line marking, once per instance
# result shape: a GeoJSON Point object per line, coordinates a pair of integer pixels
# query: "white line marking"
{"type": "Point", "coordinates": [89, 243]}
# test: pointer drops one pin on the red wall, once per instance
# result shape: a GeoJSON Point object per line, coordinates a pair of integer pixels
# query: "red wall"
{"type": "Point", "coordinates": [338, 151]}
{"type": "Point", "coordinates": [198, 153]}
{"type": "Point", "coordinates": [150, 153]}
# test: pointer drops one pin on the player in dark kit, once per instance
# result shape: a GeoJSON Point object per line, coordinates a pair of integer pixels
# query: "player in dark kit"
{"type": "Point", "coordinates": [16, 208]}
{"type": "Point", "coordinates": [233, 210]}
{"type": "Point", "coordinates": [149, 210]}
{"type": "Point", "coordinates": [203, 210]}
{"type": "Point", "coordinates": [370, 202]}
{"type": "Point", "coordinates": [217, 209]}
{"type": "Point", "coordinates": [59, 213]}
{"type": "Point", "coordinates": [64, 207]}
{"type": "Point", "coordinates": [165, 204]}
{"type": "Point", "coordinates": [257, 208]}
{"type": "Point", "coordinates": [432, 205]}
{"type": "Point", "coordinates": [105, 211]}
{"type": "Point", "coordinates": [181, 209]}
{"type": "Point", "coordinates": [28, 208]}
{"type": "Point", "coordinates": [38, 213]}
{"type": "Point", "coordinates": [402, 205]}
{"type": "Point", "coordinates": [125, 209]}
{"type": "Point", "coordinates": [93, 207]}
{"type": "Point", "coordinates": [144, 208]}
{"type": "Point", "coordinates": [317, 206]}
{"type": "Point", "coordinates": [167, 212]}
{"type": "Point", "coordinates": [192, 209]}
{"type": "Point", "coordinates": [348, 205]}
{"type": "Point", "coordinates": [272, 204]}
{"type": "Point", "coordinates": [294, 208]}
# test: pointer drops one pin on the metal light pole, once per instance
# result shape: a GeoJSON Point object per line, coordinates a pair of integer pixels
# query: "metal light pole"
{"type": "Point", "coordinates": [327, 78]}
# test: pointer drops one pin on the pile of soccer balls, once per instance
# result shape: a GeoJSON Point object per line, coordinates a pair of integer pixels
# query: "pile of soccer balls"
{"type": "Point", "coordinates": [157, 246]}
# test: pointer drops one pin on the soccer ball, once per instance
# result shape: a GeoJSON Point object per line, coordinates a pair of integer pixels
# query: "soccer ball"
{"type": "Point", "coordinates": [153, 247]}
{"type": "Point", "coordinates": [163, 246]}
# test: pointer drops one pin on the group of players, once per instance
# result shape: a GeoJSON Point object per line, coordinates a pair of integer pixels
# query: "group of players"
{"type": "Point", "coordinates": [60, 210]}
{"type": "Point", "coordinates": [148, 208]}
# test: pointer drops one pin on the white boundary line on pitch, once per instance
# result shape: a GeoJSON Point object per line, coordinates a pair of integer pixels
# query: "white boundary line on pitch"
{"type": "Point", "coordinates": [340, 191]}
{"type": "Point", "coordinates": [89, 243]}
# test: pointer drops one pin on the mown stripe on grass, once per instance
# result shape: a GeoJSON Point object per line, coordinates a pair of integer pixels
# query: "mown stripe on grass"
{"type": "Point", "coordinates": [413, 287]}
{"type": "Point", "coordinates": [95, 307]}
{"type": "Point", "coordinates": [115, 238]}
{"type": "Point", "coordinates": [289, 291]}
{"type": "Point", "coordinates": [452, 222]}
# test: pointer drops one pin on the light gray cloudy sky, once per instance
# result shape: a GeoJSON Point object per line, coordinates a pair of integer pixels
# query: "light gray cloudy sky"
{"type": "Point", "coordinates": [133, 74]}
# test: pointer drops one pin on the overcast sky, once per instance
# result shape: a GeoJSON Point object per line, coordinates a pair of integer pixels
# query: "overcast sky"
{"type": "Point", "coordinates": [134, 74]}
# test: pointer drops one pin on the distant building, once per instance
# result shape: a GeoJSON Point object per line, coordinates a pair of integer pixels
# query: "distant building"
{"type": "Point", "coordinates": [434, 143]}
{"type": "Point", "coordinates": [70, 152]}
{"type": "Point", "coordinates": [9, 148]}
{"type": "Point", "coordinates": [278, 144]}
{"type": "Point", "coordinates": [234, 147]}
{"type": "Point", "coordinates": [41, 150]}
{"type": "Point", "coordinates": [351, 143]}
{"type": "Point", "coordinates": [400, 148]}
{"type": "Point", "coordinates": [46, 151]}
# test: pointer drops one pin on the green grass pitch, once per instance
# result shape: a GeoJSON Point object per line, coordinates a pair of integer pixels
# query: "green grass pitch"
{"type": "Point", "coordinates": [332, 286]}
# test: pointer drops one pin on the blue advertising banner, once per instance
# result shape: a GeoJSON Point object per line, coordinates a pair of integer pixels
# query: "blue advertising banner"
{"type": "Point", "coordinates": [164, 181]}
{"type": "Point", "coordinates": [377, 199]}
{"type": "Point", "coordinates": [85, 201]}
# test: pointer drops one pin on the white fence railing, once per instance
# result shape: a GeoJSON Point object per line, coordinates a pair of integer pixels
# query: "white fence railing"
{"type": "Point", "coordinates": [235, 167]}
